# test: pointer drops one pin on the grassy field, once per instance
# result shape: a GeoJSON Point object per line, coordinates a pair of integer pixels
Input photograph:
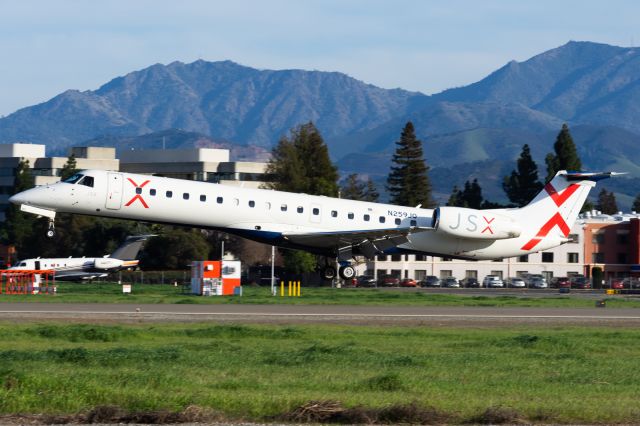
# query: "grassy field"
{"type": "Point", "coordinates": [148, 293]}
{"type": "Point", "coordinates": [557, 375]}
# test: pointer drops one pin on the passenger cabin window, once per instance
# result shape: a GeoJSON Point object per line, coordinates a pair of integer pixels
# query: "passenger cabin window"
{"type": "Point", "coordinates": [367, 217]}
{"type": "Point", "coordinates": [316, 211]}
{"type": "Point", "coordinates": [203, 198]}
{"type": "Point", "coordinates": [87, 181]}
{"type": "Point", "coordinates": [185, 196]}
{"type": "Point", "coordinates": [73, 179]}
{"type": "Point", "coordinates": [382, 219]}
{"type": "Point", "coordinates": [219, 200]}
{"type": "Point", "coordinates": [138, 190]}
{"type": "Point", "coordinates": [283, 207]}
{"type": "Point", "coordinates": [152, 192]}
{"type": "Point", "coordinates": [300, 209]}
{"type": "Point", "coordinates": [252, 203]}
{"type": "Point", "coordinates": [398, 221]}
{"type": "Point", "coordinates": [334, 213]}
{"type": "Point", "coordinates": [169, 194]}
{"type": "Point", "coordinates": [350, 216]}
{"type": "Point", "coordinates": [414, 222]}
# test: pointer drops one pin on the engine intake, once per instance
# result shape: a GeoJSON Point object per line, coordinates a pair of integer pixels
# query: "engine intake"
{"type": "Point", "coordinates": [474, 224]}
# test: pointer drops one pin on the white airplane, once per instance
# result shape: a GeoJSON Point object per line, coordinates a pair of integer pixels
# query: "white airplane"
{"type": "Point", "coordinates": [88, 268]}
{"type": "Point", "coordinates": [329, 226]}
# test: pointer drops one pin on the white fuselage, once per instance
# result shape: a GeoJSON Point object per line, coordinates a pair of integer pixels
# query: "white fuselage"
{"type": "Point", "coordinates": [266, 215]}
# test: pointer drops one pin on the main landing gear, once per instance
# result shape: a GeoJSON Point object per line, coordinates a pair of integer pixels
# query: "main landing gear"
{"type": "Point", "coordinates": [346, 272]}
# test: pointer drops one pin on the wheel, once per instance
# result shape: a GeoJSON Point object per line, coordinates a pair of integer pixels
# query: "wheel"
{"type": "Point", "coordinates": [347, 272]}
{"type": "Point", "coordinates": [51, 233]}
{"type": "Point", "coordinates": [329, 272]}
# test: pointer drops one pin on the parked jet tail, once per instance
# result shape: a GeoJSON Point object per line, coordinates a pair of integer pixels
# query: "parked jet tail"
{"type": "Point", "coordinates": [555, 209]}
{"type": "Point", "coordinates": [130, 248]}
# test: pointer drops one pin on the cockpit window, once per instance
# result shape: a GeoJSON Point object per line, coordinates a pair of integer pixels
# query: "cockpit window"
{"type": "Point", "coordinates": [87, 181]}
{"type": "Point", "coordinates": [75, 178]}
{"type": "Point", "coordinates": [23, 264]}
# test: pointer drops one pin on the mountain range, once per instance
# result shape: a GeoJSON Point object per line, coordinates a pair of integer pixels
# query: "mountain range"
{"type": "Point", "coordinates": [472, 131]}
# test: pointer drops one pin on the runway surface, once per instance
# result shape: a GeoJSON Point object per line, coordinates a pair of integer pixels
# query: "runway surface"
{"type": "Point", "coordinates": [295, 314]}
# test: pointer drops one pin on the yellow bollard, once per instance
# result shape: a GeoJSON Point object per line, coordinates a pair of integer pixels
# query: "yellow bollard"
{"type": "Point", "coordinates": [289, 288]}
{"type": "Point", "coordinates": [281, 288]}
{"type": "Point", "coordinates": [298, 288]}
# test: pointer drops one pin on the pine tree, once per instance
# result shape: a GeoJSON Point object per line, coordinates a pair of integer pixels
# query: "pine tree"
{"type": "Point", "coordinates": [70, 168]}
{"type": "Point", "coordinates": [636, 204]}
{"type": "Point", "coordinates": [353, 188]}
{"type": "Point", "coordinates": [455, 199]}
{"type": "Point", "coordinates": [408, 183]}
{"type": "Point", "coordinates": [566, 155]}
{"type": "Point", "coordinates": [523, 184]}
{"type": "Point", "coordinates": [301, 163]}
{"type": "Point", "coordinates": [607, 202]}
{"type": "Point", "coordinates": [472, 194]}
{"type": "Point", "coordinates": [371, 192]}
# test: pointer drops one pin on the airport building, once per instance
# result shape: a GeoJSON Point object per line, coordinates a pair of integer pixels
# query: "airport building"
{"type": "Point", "coordinates": [205, 164]}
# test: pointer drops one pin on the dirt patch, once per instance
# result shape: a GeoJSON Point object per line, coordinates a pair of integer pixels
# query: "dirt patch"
{"type": "Point", "coordinates": [335, 412]}
{"type": "Point", "coordinates": [499, 416]}
{"type": "Point", "coordinates": [112, 414]}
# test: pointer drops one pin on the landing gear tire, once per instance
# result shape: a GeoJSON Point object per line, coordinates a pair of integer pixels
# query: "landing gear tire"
{"type": "Point", "coordinates": [347, 272]}
{"type": "Point", "coordinates": [329, 272]}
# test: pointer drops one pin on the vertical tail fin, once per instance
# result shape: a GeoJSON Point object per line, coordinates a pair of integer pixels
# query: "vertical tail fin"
{"type": "Point", "coordinates": [555, 209]}
{"type": "Point", "coordinates": [130, 248]}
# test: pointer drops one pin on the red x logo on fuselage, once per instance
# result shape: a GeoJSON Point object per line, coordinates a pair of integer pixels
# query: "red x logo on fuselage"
{"type": "Point", "coordinates": [138, 196]}
{"type": "Point", "coordinates": [556, 220]}
{"type": "Point", "coordinates": [488, 227]}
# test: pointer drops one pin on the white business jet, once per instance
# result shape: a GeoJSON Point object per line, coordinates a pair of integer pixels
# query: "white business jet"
{"type": "Point", "coordinates": [88, 268]}
{"type": "Point", "coordinates": [329, 226]}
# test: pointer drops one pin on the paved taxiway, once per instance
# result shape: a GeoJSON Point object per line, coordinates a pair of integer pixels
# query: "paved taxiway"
{"type": "Point", "coordinates": [295, 314]}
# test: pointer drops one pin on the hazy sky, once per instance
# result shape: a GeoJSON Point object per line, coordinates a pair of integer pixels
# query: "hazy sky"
{"type": "Point", "coordinates": [47, 47]}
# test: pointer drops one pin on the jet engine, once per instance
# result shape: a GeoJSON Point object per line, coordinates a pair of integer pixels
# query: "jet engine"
{"type": "Point", "coordinates": [474, 224]}
{"type": "Point", "coordinates": [107, 263]}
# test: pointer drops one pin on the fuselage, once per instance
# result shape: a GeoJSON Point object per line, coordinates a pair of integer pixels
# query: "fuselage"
{"type": "Point", "coordinates": [263, 215]}
{"type": "Point", "coordinates": [76, 268]}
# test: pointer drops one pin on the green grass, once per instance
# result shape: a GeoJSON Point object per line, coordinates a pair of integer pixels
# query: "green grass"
{"type": "Point", "coordinates": [555, 375]}
{"type": "Point", "coordinates": [148, 293]}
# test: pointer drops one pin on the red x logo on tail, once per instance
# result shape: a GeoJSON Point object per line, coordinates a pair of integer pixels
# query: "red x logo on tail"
{"type": "Point", "coordinates": [488, 228]}
{"type": "Point", "coordinates": [138, 196]}
{"type": "Point", "coordinates": [556, 220]}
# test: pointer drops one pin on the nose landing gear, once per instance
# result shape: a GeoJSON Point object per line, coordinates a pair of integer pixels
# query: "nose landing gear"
{"type": "Point", "coordinates": [52, 229]}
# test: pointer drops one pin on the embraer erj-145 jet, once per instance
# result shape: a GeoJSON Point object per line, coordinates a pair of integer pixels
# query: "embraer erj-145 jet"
{"type": "Point", "coordinates": [88, 268]}
{"type": "Point", "coordinates": [329, 226]}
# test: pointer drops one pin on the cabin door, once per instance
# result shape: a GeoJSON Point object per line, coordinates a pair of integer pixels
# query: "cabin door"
{"type": "Point", "coordinates": [114, 191]}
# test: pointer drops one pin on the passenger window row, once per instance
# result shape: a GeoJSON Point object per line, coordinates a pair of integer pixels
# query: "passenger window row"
{"type": "Point", "coordinates": [283, 207]}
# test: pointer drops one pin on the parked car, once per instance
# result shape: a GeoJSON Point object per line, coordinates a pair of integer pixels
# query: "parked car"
{"type": "Point", "coordinates": [538, 282]}
{"type": "Point", "coordinates": [491, 281]}
{"type": "Point", "coordinates": [617, 283]}
{"type": "Point", "coordinates": [515, 282]}
{"type": "Point", "coordinates": [365, 281]}
{"type": "Point", "coordinates": [580, 282]}
{"type": "Point", "coordinates": [561, 282]}
{"type": "Point", "coordinates": [470, 282]}
{"type": "Point", "coordinates": [451, 282]}
{"type": "Point", "coordinates": [430, 281]}
{"type": "Point", "coordinates": [388, 281]}
{"type": "Point", "coordinates": [408, 282]}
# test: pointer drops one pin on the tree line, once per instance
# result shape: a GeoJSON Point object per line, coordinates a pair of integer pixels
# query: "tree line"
{"type": "Point", "coordinates": [300, 162]}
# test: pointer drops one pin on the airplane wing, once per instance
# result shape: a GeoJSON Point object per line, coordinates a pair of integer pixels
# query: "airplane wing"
{"type": "Point", "coordinates": [367, 242]}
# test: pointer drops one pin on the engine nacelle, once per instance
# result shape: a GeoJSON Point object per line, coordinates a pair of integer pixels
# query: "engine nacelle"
{"type": "Point", "coordinates": [107, 263]}
{"type": "Point", "coordinates": [474, 224]}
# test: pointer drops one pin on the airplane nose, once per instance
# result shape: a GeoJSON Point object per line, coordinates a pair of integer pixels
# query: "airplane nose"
{"type": "Point", "coordinates": [18, 198]}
